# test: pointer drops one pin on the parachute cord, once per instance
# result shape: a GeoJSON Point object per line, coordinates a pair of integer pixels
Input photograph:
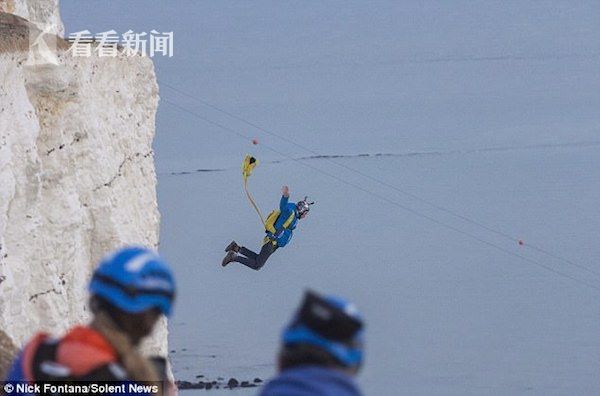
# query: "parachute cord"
{"type": "Point", "coordinates": [252, 201]}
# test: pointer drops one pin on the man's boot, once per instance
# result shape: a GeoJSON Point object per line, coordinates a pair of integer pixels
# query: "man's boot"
{"type": "Point", "coordinates": [232, 247]}
{"type": "Point", "coordinates": [229, 258]}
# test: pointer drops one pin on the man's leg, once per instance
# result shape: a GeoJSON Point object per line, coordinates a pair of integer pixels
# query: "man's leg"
{"type": "Point", "coordinates": [253, 260]}
{"type": "Point", "coordinates": [265, 252]}
{"type": "Point", "coordinates": [248, 253]}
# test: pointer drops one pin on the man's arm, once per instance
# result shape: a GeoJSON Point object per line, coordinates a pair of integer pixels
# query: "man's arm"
{"type": "Point", "coordinates": [285, 196]}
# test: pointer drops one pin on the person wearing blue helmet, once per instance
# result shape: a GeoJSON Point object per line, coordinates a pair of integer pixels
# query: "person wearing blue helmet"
{"type": "Point", "coordinates": [322, 350]}
{"type": "Point", "coordinates": [129, 291]}
{"type": "Point", "coordinates": [279, 228]}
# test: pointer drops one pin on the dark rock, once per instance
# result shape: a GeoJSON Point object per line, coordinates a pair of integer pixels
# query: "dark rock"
{"type": "Point", "coordinates": [246, 384]}
{"type": "Point", "coordinates": [257, 380]}
{"type": "Point", "coordinates": [190, 385]}
{"type": "Point", "coordinates": [208, 386]}
{"type": "Point", "coordinates": [184, 384]}
{"type": "Point", "coordinates": [233, 383]}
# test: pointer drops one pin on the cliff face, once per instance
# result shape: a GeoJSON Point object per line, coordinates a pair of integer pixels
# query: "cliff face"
{"type": "Point", "coordinates": [44, 13]}
{"type": "Point", "coordinates": [77, 175]}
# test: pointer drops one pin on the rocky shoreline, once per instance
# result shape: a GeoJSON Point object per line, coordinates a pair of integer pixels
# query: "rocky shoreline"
{"type": "Point", "coordinates": [219, 383]}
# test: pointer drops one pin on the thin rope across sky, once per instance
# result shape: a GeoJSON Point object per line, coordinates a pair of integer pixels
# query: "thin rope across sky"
{"type": "Point", "coordinates": [384, 198]}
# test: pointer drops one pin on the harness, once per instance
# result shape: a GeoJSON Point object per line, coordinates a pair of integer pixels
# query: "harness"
{"type": "Point", "coordinates": [270, 222]}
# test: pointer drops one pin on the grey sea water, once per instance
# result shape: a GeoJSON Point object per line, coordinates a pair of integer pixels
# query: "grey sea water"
{"type": "Point", "coordinates": [496, 105]}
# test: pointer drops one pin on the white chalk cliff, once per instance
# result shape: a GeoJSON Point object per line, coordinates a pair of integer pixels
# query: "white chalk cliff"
{"type": "Point", "coordinates": [77, 175]}
{"type": "Point", "coordinates": [44, 13]}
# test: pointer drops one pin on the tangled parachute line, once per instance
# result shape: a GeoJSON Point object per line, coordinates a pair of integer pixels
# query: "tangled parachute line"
{"type": "Point", "coordinates": [248, 166]}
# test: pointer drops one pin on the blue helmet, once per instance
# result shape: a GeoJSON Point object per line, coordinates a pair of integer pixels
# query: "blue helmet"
{"type": "Point", "coordinates": [331, 324]}
{"type": "Point", "coordinates": [134, 279]}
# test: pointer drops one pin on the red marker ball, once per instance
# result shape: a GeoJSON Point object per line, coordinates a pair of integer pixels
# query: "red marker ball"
{"type": "Point", "coordinates": [255, 141]}
{"type": "Point", "coordinates": [521, 242]}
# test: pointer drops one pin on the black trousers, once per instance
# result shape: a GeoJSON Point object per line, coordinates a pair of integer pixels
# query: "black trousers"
{"type": "Point", "coordinates": [253, 260]}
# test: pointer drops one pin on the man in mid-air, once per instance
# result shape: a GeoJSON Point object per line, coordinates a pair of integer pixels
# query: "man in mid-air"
{"type": "Point", "coordinates": [279, 228]}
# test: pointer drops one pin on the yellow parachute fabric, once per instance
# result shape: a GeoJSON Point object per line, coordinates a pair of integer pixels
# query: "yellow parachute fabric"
{"type": "Point", "coordinates": [247, 167]}
{"type": "Point", "coordinates": [271, 219]}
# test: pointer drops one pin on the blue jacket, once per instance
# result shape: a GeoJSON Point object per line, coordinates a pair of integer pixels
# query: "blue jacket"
{"type": "Point", "coordinates": [283, 235]}
{"type": "Point", "coordinates": [311, 381]}
{"type": "Point", "coordinates": [16, 372]}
